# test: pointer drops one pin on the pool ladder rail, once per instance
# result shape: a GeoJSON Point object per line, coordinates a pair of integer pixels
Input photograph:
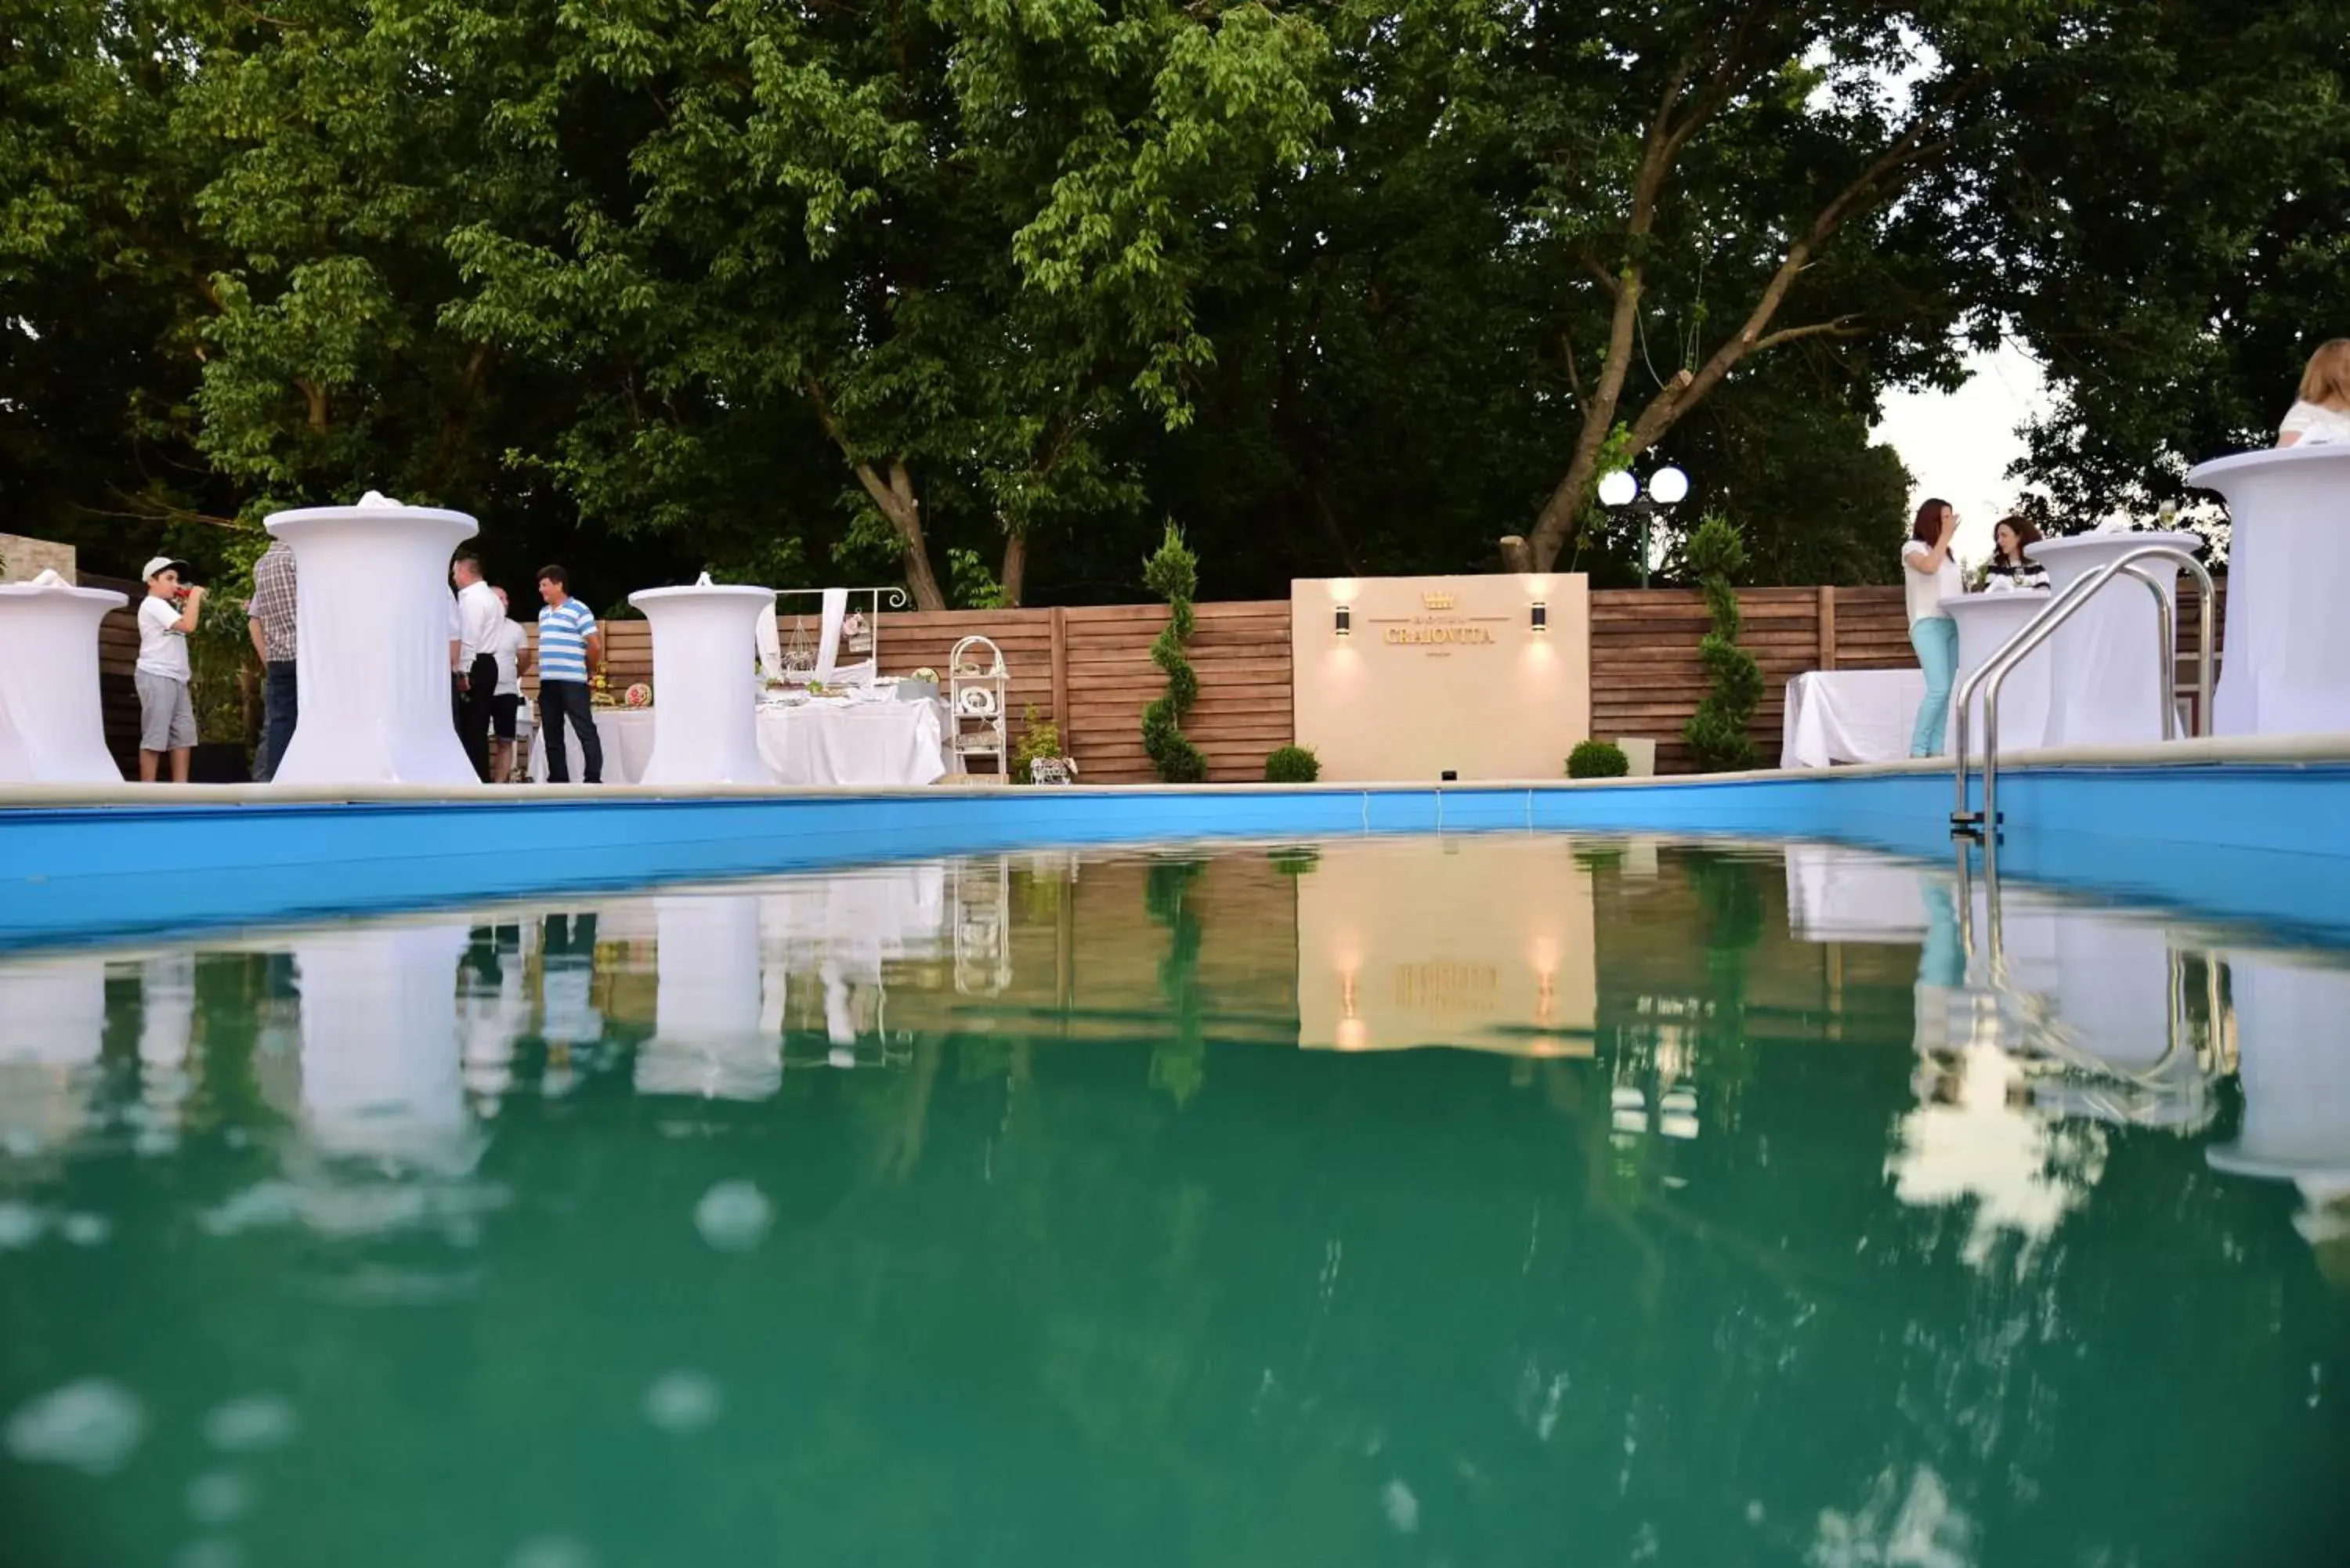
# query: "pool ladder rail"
{"type": "Point", "coordinates": [1993, 677]}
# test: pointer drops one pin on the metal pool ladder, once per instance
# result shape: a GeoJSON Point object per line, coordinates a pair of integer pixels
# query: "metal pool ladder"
{"type": "Point", "coordinates": [1993, 676]}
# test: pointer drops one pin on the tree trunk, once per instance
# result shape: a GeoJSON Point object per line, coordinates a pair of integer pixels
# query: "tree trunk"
{"type": "Point", "coordinates": [897, 501]}
{"type": "Point", "coordinates": [1515, 557]}
{"type": "Point", "coordinates": [1014, 580]}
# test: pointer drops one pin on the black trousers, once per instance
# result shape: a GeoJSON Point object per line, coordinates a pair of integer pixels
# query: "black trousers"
{"type": "Point", "coordinates": [474, 707]}
{"type": "Point", "coordinates": [560, 700]}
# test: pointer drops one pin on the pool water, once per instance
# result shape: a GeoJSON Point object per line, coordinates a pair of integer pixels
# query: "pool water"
{"type": "Point", "coordinates": [1483, 1199]}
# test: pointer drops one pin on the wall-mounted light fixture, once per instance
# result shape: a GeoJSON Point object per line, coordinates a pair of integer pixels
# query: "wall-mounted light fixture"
{"type": "Point", "coordinates": [1541, 616]}
{"type": "Point", "coordinates": [1346, 620]}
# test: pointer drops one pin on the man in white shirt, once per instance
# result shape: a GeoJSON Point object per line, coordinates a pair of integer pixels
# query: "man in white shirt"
{"type": "Point", "coordinates": [167, 720]}
{"type": "Point", "coordinates": [479, 615]}
{"type": "Point", "coordinates": [505, 707]}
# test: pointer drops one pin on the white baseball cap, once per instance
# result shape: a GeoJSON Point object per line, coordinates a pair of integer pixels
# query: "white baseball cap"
{"type": "Point", "coordinates": [163, 563]}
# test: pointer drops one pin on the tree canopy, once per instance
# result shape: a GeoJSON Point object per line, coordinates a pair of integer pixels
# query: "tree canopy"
{"type": "Point", "coordinates": [981, 293]}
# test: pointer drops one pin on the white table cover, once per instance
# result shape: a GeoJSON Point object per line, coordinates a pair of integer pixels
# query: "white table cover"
{"type": "Point", "coordinates": [863, 745]}
{"type": "Point", "coordinates": [2108, 674]}
{"type": "Point", "coordinates": [702, 732]}
{"type": "Point", "coordinates": [1850, 716]}
{"type": "Point", "coordinates": [382, 1060]}
{"type": "Point", "coordinates": [709, 1037]}
{"type": "Point", "coordinates": [52, 728]}
{"type": "Point", "coordinates": [2288, 641]}
{"type": "Point", "coordinates": [1986, 622]}
{"type": "Point", "coordinates": [372, 668]}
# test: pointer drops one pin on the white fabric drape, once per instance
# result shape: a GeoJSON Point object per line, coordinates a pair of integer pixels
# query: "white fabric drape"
{"type": "Point", "coordinates": [770, 647]}
{"type": "Point", "coordinates": [2288, 641]}
{"type": "Point", "coordinates": [858, 745]}
{"type": "Point", "coordinates": [52, 729]}
{"type": "Point", "coordinates": [1849, 716]}
{"type": "Point", "coordinates": [2107, 663]}
{"type": "Point", "coordinates": [710, 1040]}
{"type": "Point", "coordinates": [381, 1060]}
{"type": "Point", "coordinates": [1839, 895]}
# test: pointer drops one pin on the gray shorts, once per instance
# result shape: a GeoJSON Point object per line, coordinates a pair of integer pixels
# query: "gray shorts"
{"type": "Point", "coordinates": [167, 720]}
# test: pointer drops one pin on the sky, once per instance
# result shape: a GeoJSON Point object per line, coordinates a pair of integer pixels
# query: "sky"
{"type": "Point", "coordinates": [1958, 445]}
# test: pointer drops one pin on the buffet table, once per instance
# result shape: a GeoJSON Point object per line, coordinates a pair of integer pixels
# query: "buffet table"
{"type": "Point", "coordinates": [1850, 716]}
{"type": "Point", "coordinates": [858, 745]}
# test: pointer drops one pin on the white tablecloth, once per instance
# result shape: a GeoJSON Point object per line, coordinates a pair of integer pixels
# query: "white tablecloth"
{"type": "Point", "coordinates": [1850, 716]}
{"type": "Point", "coordinates": [2107, 679]}
{"type": "Point", "coordinates": [864, 745]}
{"type": "Point", "coordinates": [1840, 895]}
{"type": "Point", "coordinates": [2288, 556]}
{"type": "Point", "coordinates": [1986, 622]}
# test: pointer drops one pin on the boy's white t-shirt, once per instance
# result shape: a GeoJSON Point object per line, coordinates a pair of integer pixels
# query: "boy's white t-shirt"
{"type": "Point", "coordinates": [2318, 425]}
{"type": "Point", "coordinates": [162, 646]}
{"type": "Point", "coordinates": [1926, 590]}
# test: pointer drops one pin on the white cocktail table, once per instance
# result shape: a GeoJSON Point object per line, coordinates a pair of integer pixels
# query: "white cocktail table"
{"type": "Point", "coordinates": [372, 672]}
{"type": "Point", "coordinates": [2293, 1043]}
{"type": "Point", "coordinates": [704, 638]}
{"type": "Point", "coordinates": [52, 727]}
{"type": "Point", "coordinates": [2106, 679]}
{"type": "Point", "coordinates": [1986, 623]}
{"type": "Point", "coordinates": [1849, 716]}
{"type": "Point", "coordinates": [2288, 641]}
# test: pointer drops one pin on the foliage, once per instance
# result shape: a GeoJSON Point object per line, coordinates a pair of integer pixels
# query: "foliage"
{"type": "Point", "coordinates": [1292, 764]}
{"type": "Point", "coordinates": [1597, 759]}
{"type": "Point", "coordinates": [1173, 574]}
{"type": "Point", "coordinates": [1039, 737]}
{"type": "Point", "coordinates": [1716, 732]}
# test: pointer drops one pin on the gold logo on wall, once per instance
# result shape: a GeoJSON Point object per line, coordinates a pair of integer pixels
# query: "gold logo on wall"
{"type": "Point", "coordinates": [1436, 601]}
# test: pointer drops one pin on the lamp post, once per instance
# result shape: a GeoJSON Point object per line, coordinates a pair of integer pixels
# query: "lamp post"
{"type": "Point", "coordinates": [1667, 488]}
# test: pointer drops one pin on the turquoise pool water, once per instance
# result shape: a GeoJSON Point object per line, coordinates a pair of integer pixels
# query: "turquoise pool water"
{"type": "Point", "coordinates": [1490, 1199]}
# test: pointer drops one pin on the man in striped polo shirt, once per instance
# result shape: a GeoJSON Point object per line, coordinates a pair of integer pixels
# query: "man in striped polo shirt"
{"type": "Point", "coordinates": [569, 646]}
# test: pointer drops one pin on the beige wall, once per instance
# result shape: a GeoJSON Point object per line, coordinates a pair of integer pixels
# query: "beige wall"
{"type": "Point", "coordinates": [23, 559]}
{"type": "Point", "coordinates": [1480, 941]}
{"type": "Point", "coordinates": [1441, 673]}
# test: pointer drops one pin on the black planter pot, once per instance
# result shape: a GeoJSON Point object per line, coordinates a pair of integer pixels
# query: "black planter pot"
{"type": "Point", "coordinates": [220, 762]}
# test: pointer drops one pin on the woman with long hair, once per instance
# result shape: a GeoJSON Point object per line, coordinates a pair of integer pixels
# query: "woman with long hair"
{"type": "Point", "coordinates": [1930, 577]}
{"type": "Point", "coordinates": [2008, 538]}
{"type": "Point", "coordinates": [2322, 413]}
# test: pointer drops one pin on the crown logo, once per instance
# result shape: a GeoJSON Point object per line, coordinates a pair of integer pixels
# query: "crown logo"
{"type": "Point", "coordinates": [1436, 601]}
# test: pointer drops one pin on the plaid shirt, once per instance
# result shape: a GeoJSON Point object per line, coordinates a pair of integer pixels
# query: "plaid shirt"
{"type": "Point", "coordinates": [273, 602]}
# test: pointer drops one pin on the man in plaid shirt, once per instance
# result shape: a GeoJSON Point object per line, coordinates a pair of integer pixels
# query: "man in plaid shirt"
{"type": "Point", "coordinates": [269, 620]}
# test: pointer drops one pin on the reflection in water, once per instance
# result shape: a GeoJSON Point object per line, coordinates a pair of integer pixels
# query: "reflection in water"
{"type": "Point", "coordinates": [1737, 1208]}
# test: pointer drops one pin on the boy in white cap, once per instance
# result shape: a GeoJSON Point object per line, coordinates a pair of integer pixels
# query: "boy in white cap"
{"type": "Point", "coordinates": [167, 720]}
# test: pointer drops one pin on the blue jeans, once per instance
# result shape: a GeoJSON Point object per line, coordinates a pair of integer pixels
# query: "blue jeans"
{"type": "Point", "coordinates": [1936, 639]}
{"type": "Point", "coordinates": [278, 693]}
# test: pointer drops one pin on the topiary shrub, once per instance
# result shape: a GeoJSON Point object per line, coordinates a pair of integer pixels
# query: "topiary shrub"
{"type": "Point", "coordinates": [1292, 764]}
{"type": "Point", "coordinates": [1597, 759]}
{"type": "Point", "coordinates": [1174, 573]}
{"type": "Point", "coordinates": [1716, 732]}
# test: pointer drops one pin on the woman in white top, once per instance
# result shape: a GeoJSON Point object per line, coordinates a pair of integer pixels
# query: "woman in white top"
{"type": "Point", "coordinates": [1930, 577]}
{"type": "Point", "coordinates": [2322, 417]}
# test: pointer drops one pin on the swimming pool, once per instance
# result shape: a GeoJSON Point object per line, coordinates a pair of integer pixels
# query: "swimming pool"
{"type": "Point", "coordinates": [1297, 1195]}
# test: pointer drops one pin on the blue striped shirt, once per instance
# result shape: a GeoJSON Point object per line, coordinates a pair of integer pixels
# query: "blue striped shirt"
{"type": "Point", "coordinates": [563, 633]}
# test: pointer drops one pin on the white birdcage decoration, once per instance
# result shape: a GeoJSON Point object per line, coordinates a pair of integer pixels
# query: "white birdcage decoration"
{"type": "Point", "coordinates": [979, 694]}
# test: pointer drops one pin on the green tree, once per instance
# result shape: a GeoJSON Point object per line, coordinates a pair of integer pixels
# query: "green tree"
{"type": "Point", "coordinates": [1716, 732]}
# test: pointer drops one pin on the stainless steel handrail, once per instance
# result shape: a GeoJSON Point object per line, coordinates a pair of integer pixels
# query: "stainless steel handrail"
{"type": "Point", "coordinates": [1993, 677]}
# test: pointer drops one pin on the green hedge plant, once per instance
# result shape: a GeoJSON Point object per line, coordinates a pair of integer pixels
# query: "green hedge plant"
{"type": "Point", "coordinates": [1292, 764]}
{"type": "Point", "coordinates": [1597, 759]}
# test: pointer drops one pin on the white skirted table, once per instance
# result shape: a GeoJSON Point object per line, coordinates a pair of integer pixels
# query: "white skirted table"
{"type": "Point", "coordinates": [703, 640]}
{"type": "Point", "coordinates": [1849, 716]}
{"type": "Point", "coordinates": [1986, 623]}
{"type": "Point", "coordinates": [858, 745]}
{"type": "Point", "coordinates": [371, 673]}
{"type": "Point", "coordinates": [1840, 895]}
{"type": "Point", "coordinates": [2288, 641]}
{"type": "Point", "coordinates": [52, 727]}
{"type": "Point", "coordinates": [2293, 1040]}
{"type": "Point", "coordinates": [2106, 677]}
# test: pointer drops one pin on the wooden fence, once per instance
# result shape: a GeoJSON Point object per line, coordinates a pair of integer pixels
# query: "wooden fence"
{"type": "Point", "coordinates": [1089, 668]}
